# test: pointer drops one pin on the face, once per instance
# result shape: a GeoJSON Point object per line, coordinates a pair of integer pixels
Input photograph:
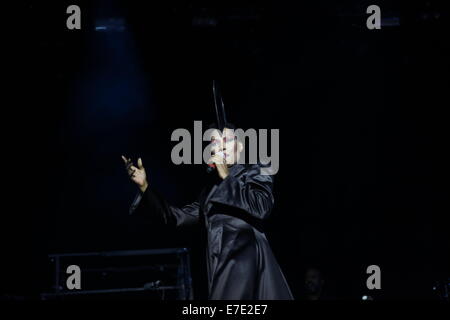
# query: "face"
{"type": "Point", "coordinates": [313, 280]}
{"type": "Point", "coordinates": [226, 143]}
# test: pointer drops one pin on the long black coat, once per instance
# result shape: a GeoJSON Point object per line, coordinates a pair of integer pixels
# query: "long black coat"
{"type": "Point", "coordinates": [240, 263]}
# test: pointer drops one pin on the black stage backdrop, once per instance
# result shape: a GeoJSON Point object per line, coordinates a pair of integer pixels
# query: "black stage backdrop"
{"type": "Point", "coordinates": [360, 113]}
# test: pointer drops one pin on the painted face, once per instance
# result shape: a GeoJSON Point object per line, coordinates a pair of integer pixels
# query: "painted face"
{"type": "Point", "coordinates": [225, 143]}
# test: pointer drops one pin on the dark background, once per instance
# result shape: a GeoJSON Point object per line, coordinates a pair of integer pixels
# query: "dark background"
{"type": "Point", "coordinates": [360, 113]}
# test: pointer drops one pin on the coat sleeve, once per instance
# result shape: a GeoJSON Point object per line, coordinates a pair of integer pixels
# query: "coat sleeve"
{"type": "Point", "coordinates": [153, 204]}
{"type": "Point", "coordinates": [252, 193]}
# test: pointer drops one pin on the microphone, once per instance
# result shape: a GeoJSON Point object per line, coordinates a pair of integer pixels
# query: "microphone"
{"type": "Point", "coordinates": [212, 166]}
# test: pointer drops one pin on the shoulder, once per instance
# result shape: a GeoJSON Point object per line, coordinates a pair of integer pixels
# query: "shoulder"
{"type": "Point", "coordinates": [258, 172]}
{"type": "Point", "coordinates": [260, 169]}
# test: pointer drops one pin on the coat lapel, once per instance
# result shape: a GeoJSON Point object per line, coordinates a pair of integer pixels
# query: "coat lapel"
{"type": "Point", "coordinates": [206, 205]}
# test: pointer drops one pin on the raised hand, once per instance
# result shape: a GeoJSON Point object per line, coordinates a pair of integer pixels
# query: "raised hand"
{"type": "Point", "coordinates": [221, 165]}
{"type": "Point", "coordinates": [137, 174]}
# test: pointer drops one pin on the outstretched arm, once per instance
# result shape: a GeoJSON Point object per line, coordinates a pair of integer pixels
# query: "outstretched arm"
{"type": "Point", "coordinates": [149, 201]}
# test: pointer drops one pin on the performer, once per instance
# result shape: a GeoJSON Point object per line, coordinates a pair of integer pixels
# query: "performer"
{"type": "Point", "coordinates": [240, 263]}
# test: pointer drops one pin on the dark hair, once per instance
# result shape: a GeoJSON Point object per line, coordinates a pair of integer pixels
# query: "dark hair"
{"type": "Point", "coordinates": [317, 267]}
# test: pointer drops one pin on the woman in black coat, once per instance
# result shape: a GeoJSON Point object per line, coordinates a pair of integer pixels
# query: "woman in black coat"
{"type": "Point", "coordinates": [240, 263]}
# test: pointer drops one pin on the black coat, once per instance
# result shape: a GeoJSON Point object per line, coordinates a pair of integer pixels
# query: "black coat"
{"type": "Point", "coordinates": [240, 263]}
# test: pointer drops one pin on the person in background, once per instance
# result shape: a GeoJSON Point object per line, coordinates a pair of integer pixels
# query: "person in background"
{"type": "Point", "coordinates": [313, 285]}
